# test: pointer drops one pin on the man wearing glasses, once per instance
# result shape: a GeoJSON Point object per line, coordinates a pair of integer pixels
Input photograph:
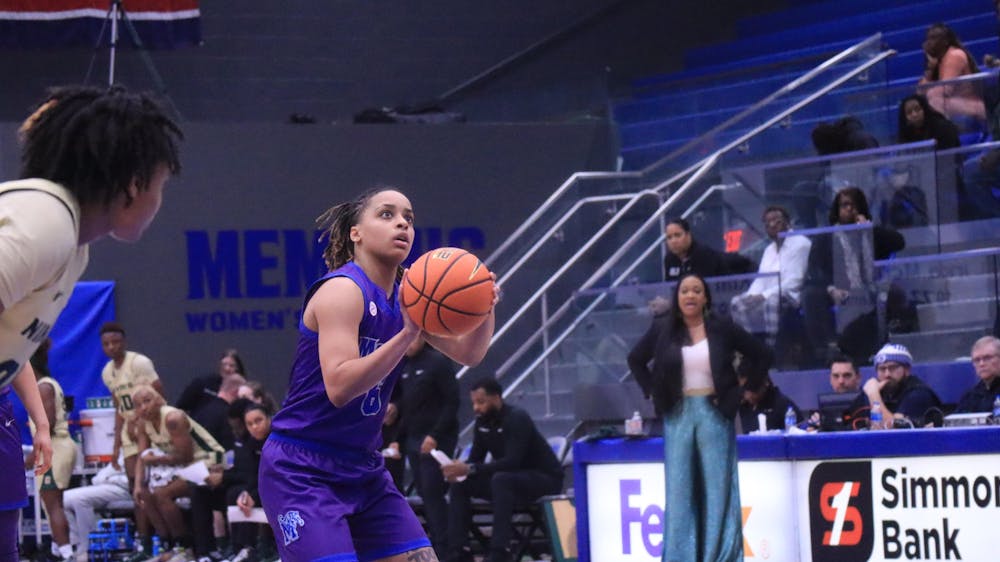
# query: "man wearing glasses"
{"type": "Point", "coordinates": [986, 361]}
{"type": "Point", "coordinates": [901, 395]}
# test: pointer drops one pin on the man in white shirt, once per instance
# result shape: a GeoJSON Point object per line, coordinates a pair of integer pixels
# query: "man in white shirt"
{"type": "Point", "coordinates": [109, 485]}
{"type": "Point", "coordinates": [758, 309]}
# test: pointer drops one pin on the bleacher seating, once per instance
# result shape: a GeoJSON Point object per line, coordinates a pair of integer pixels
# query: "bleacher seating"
{"type": "Point", "coordinates": [719, 80]}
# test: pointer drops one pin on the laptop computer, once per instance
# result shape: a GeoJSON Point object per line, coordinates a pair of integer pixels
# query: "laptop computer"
{"type": "Point", "coordinates": [836, 410]}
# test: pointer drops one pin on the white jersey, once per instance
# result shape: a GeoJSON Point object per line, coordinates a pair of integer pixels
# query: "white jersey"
{"type": "Point", "coordinates": [40, 262]}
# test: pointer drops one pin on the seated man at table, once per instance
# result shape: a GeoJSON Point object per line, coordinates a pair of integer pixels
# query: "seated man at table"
{"type": "Point", "coordinates": [900, 395]}
{"type": "Point", "coordinates": [766, 399]}
{"type": "Point", "coordinates": [986, 362]}
{"type": "Point", "coordinates": [524, 468]}
{"type": "Point", "coordinates": [845, 378]}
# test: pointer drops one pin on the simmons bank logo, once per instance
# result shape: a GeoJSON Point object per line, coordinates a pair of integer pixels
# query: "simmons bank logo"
{"type": "Point", "coordinates": [840, 512]}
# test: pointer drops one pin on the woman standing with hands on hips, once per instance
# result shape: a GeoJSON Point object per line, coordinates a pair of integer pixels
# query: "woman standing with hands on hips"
{"type": "Point", "coordinates": [694, 387]}
{"type": "Point", "coordinates": [323, 482]}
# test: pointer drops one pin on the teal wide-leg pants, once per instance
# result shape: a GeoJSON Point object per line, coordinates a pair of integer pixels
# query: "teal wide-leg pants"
{"type": "Point", "coordinates": [703, 518]}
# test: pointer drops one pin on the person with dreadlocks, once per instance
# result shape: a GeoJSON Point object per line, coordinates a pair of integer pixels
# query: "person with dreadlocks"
{"type": "Point", "coordinates": [93, 163]}
{"type": "Point", "coordinates": [323, 483]}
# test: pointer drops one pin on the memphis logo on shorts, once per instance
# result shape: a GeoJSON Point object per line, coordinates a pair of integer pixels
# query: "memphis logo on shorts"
{"type": "Point", "coordinates": [840, 511]}
{"type": "Point", "coordinates": [290, 522]}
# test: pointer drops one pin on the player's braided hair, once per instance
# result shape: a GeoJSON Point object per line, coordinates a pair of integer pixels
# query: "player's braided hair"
{"type": "Point", "coordinates": [336, 225]}
{"type": "Point", "coordinates": [96, 142]}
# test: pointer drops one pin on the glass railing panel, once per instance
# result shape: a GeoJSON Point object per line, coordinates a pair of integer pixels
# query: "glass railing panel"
{"type": "Point", "coordinates": [900, 184]}
{"type": "Point", "coordinates": [968, 192]}
{"type": "Point", "coordinates": [670, 143]}
{"type": "Point", "coordinates": [939, 305]}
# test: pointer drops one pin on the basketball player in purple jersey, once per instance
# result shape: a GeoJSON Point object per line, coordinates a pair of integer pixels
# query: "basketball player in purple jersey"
{"type": "Point", "coordinates": [93, 163]}
{"type": "Point", "coordinates": [323, 484]}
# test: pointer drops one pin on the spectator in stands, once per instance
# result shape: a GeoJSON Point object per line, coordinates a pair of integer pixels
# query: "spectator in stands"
{"type": "Point", "coordinates": [764, 397]}
{"type": "Point", "coordinates": [758, 309]}
{"type": "Point", "coordinates": [122, 375]}
{"type": "Point", "coordinates": [905, 204]}
{"type": "Point", "coordinates": [524, 468]}
{"type": "Point", "coordinates": [846, 134]}
{"type": "Point", "coordinates": [945, 59]}
{"type": "Point", "coordinates": [428, 411]}
{"type": "Point", "coordinates": [829, 283]}
{"type": "Point", "coordinates": [55, 480]}
{"type": "Point", "coordinates": [685, 255]}
{"type": "Point", "coordinates": [108, 486]}
{"type": "Point", "coordinates": [986, 361]}
{"type": "Point", "coordinates": [213, 413]}
{"type": "Point", "coordinates": [919, 121]}
{"type": "Point", "coordinates": [208, 504]}
{"type": "Point", "coordinates": [201, 389]}
{"type": "Point", "coordinates": [695, 388]}
{"type": "Point", "coordinates": [250, 541]}
{"type": "Point", "coordinates": [169, 440]}
{"type": "Point", "coordinates": [257, 393]}
{"type": "Point", "coordinates": [901, 395]}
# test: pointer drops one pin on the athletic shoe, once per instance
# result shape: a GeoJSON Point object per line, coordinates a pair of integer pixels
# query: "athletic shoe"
{"type": "Point", "coordinates": [180, 555]}
{"type": "Point", "coordinates": [246, 554]}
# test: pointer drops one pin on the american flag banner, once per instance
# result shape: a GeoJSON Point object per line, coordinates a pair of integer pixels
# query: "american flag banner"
{"type": "Point", "coordinates": [160, 24]}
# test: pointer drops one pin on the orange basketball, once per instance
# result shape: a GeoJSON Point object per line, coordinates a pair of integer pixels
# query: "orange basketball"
{"type": "Point", "coordinates": [447, 292]}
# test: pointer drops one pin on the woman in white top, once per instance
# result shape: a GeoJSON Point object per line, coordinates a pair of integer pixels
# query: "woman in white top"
{"type": "Point", "coordinates": [93, 163]}
{"type": "Point", "coordinates": [694, 387]}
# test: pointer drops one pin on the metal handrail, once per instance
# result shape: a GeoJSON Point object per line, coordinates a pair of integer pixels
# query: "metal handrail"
{"type": "Point", "coordinates": [706, 165]}
{"type": "Point", "coordinates": [681, 191]}
{"type": "Point", "coordinates": [529, 223]}
{"type": "Point", "coordinates": [871, 41]}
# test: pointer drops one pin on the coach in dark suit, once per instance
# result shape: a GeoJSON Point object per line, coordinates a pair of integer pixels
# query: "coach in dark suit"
{"type": "Point", "coordinates": [694, 386]}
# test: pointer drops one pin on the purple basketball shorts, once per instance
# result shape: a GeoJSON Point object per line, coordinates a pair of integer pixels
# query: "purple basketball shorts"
{"type": "Point", "coordinates": [333, 505]}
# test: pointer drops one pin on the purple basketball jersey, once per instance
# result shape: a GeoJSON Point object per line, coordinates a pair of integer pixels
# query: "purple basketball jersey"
{"type": "Point", "coordinates": [307, 413]}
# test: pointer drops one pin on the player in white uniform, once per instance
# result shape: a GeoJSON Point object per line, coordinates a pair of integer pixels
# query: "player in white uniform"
{"type": "Point", "coordinates": [94, 163]}
{"type": "Point", "coordinates": [123, 374]}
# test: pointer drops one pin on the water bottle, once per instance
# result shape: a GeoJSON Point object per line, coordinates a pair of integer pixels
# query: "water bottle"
{"type": "Point", "coordinates": [790, 419]}
{"type": "Point", "coordinates": [633, 425]}
{"type": "Point", "coordinates": [875, 417]}
{"type": "Point", "coordinates": [137, 543]}
{"type": "Point", "coordinates": [996, 410]}
{"type": "Point", "coordinates": [156, 545]}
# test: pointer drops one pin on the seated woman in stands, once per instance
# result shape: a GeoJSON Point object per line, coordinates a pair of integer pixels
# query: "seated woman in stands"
{"type": "Point", "coordinates": [919, 121]}
{"type": "Point", "coordinates": [249, 540]}
{"type": "Point", "coordinates": [830, 283]}
{"type": "Point", "coordinates": [946, 59]}
{"type": "Point", "coordinates": [685, 255]}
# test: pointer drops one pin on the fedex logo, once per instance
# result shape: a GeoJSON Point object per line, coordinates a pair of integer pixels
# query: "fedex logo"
{"type": "Point", "coordinates": [648, 521]}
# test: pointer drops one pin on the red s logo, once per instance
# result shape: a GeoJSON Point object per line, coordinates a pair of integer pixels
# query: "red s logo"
{"type": "Point", "coordinates": [835, 506]}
